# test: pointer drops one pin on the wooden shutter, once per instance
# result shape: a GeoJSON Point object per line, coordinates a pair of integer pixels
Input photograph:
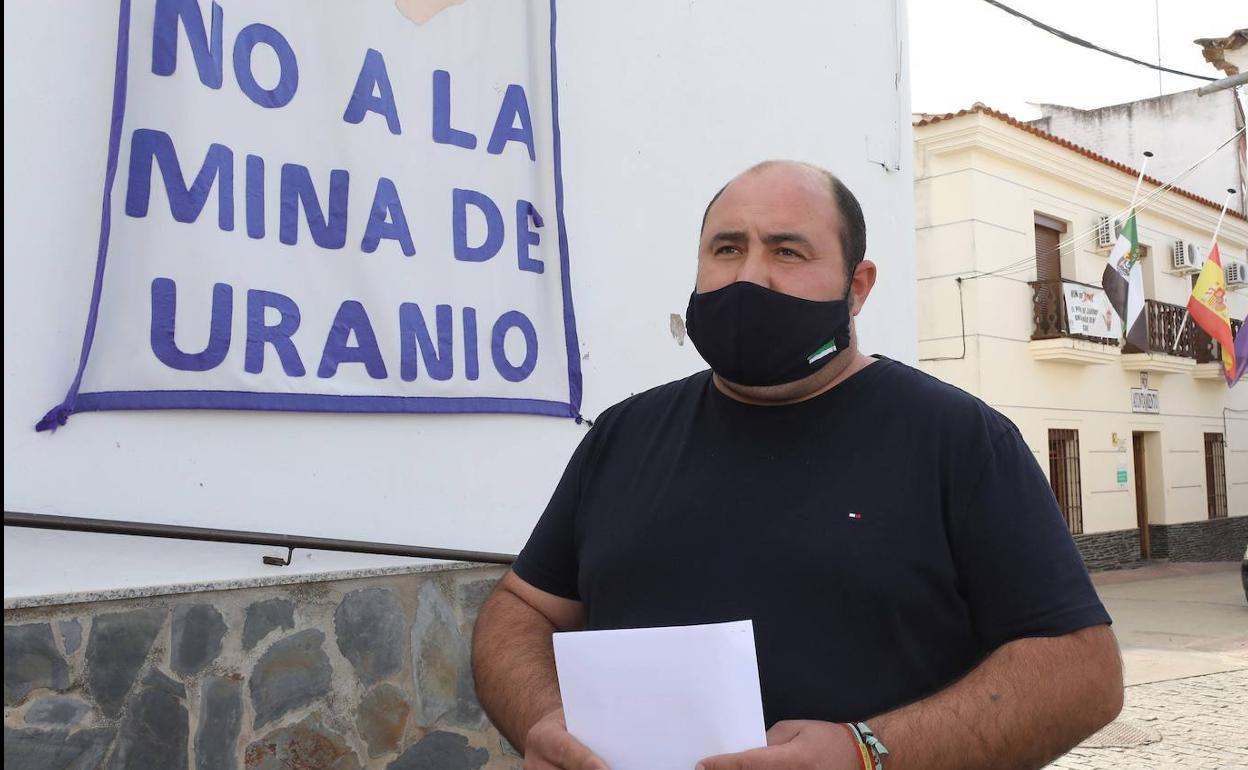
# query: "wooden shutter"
{"type": "Point", "coordinates": [1048, 255]}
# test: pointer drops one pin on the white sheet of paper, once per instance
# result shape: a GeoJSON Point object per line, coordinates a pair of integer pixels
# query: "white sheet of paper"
{"type": "Point", "coordinates": [662, 698]}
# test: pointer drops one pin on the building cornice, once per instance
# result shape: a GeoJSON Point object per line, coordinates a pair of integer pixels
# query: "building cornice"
{"type": "Point", "coordinates": [980, 132]}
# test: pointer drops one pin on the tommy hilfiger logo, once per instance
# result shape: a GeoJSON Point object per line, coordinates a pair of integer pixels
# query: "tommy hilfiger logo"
{"type": "Point", "coordinates": [855, 515]}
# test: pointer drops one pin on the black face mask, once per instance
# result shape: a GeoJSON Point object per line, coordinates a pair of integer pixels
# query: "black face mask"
{"type": "Point", "coordinates": [754, 336]}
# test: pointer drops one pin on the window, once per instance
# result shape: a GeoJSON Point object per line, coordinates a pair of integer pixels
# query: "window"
{"type": "Point", "coordinates": [1048, 248]}
{"type": "Point", "coordinates": [1215, 475]}
{"type": "Point", "coordinates": [1064, 476]}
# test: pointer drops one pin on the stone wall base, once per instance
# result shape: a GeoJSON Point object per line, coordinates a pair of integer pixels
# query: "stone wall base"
{"type": "Point", "coordinates": [1208, 540]}
{"type": "Point", "coordinates": [1109, 550]}
{"type": "Point", "coordinates": [344, 675]}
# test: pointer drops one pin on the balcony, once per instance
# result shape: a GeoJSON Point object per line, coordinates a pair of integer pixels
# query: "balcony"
{"type": "Point", "coordinates": [1209, 353]}
{"type": "Point", "coordinates": [1162, 353]}
{"type": "Point", "coordinates": [1052, 338]}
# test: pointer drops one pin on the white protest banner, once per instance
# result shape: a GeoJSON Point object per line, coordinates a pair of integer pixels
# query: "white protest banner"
{"type": "Point", "coordinates": [321, 206]}
{"type": "Point", "coordinates": [1088, 312]}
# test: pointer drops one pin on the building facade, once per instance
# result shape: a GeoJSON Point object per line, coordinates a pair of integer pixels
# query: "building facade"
{"type": "Point", "coordinates": [1147, 450]}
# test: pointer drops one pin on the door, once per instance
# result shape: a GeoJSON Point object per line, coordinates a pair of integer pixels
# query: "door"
{"type": "Point", "coordinates": [1141, 492]}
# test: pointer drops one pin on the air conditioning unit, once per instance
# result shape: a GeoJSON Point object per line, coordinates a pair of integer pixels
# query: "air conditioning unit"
{"type": "Point", "coordinates": [1198, 254]}
{"type": "Point", "coordinates": [1236, 274]}
{"type": "Point", "coordinates": [1185, 257]}
{"type": "Point", "coordinates": [1106, 233]}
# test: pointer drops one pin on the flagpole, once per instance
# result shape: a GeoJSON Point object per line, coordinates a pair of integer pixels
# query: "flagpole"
{"type": "Point", "coordinates": [1135, 195]}
{"type": "Point", "coordinates": [1218, 227]}
{"type": "Point", "coordinates": [1187, 313]}
{"type": "Point", "coordinates": [1139, 180]}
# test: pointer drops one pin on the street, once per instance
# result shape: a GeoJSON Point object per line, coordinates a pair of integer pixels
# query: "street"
{"type": "Point", "coordinates": [1183, 629]}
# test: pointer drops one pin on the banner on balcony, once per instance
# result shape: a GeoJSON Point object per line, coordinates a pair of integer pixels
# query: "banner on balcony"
{"type": "Point", "coordinates": [332, 207]}
{"type": "Point", "coordinates": [1089, 313]}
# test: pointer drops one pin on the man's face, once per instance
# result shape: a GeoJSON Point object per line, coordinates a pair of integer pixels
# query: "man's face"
{"type": "Point", "coordinates": [777, 227]}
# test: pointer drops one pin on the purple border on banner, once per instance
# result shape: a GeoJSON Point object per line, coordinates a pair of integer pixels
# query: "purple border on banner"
{"type": "Point", "coordinates": [569, 318]}
{"type": "Point", "coordinates": [60, 413]}
{"type": "Point", "coordinates": [309, 402]}
{"type": "Point", "coordinates": [304, 402]}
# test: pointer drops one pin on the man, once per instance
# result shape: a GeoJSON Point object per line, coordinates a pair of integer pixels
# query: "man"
{"type": "Point", "coordinates": [892, 538]}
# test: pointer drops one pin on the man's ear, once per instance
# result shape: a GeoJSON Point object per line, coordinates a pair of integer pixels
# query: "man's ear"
{"type": "Point", "coordinates": [861, 284]}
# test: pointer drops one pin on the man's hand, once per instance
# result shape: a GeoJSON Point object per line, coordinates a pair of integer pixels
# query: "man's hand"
{"type": "Point", "coordinates": [795, 745]}
{"type": "Point", "coordinates": [549, 746]}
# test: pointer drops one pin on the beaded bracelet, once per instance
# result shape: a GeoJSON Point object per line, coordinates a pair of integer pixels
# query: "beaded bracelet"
{"type": "Point", "coordinates": [863, 752]}
{"type": "Point", "coordinates": [868, 744]}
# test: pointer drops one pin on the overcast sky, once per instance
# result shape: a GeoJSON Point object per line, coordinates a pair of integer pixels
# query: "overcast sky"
{"type": "Point", "coordinates": [964, 51]}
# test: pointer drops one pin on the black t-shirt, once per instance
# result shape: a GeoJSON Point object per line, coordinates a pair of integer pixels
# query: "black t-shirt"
{"type": "Point", "coordinates": [884, 537]}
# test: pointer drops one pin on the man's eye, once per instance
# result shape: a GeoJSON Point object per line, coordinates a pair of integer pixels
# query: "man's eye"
{"type": "Point", "coordinates": [789, 254]}
{"type": "Point", "coordinates": [729, 250]}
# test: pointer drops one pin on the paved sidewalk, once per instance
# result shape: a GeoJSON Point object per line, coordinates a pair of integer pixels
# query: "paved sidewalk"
{"type": "Point", "coordinates": [1177, 620]}
{"type": "Point", "coordinates": [1184, 635]}
{"type": "Point", "coordinates": [1198, 722]}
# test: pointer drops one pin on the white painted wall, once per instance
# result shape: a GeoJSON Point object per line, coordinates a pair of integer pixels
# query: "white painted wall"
{"type": "Point", "coordinates": [660, 104]}
{"type": "Point", "coordinates": [1178, 129]}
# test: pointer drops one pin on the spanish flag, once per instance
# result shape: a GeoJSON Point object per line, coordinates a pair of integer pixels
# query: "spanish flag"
{"type": "Point", "coordinates": [1207, 306]}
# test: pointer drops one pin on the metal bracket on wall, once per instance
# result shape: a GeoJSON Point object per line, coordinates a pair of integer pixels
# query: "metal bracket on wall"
{"type": "Point", "coordinates": [277, 561]}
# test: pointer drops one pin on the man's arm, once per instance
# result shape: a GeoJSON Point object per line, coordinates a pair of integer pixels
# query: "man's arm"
{"type": "Point", "coordinates": [513, 664]}
{"type": "Point", "coordinates": [1029, 702]}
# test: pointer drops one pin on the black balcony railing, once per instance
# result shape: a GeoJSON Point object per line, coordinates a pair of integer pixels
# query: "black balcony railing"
{"type": "Point", "coordinates": [1163, 321]}
{"type": "Point", "coordinates": [1049, 317]}
{"type": "Point", "coordinates": [1206, 348]}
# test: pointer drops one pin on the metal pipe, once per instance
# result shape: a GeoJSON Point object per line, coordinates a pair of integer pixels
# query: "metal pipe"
{"type": "Point", "coordinates": [177, 532]}
{"type": "Point", "coordinates": [1223, 84]}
